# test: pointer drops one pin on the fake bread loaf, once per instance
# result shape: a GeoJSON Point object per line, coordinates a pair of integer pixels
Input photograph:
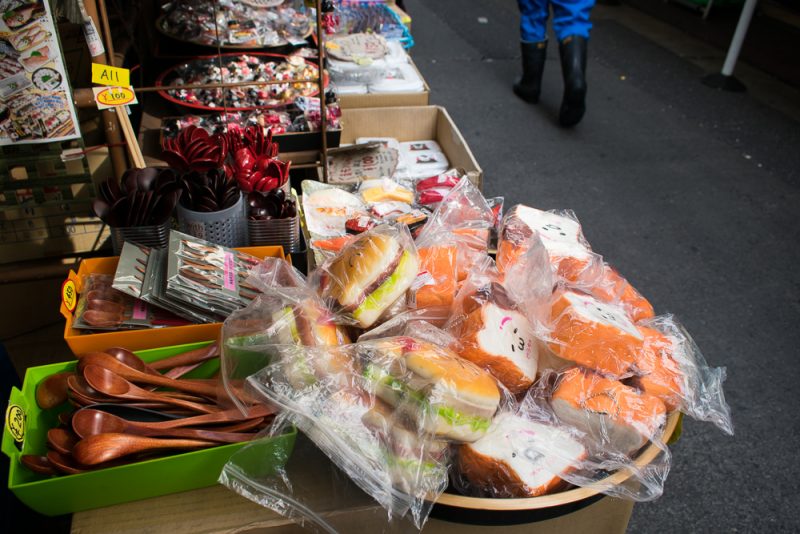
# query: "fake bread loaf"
{"type": "Point", "coordinates": [438, 273]}
{"type": "Point", "coordinates": [443, 394]}
{"type": "Point", "coordinates": [519, 458]}
{"type": "Point", "coordinates": [561, 236]}
{"type": "Point", "coordinates": [498, 338]}
{"type": "Point", "coordinates": [611, 287]}
{"type": "Point", "coordinates": [370, 274]}
{"type": "Point", "coordinates": [594, 334]}
{"type": "Point", "coordinates": [606, 409]}
{"type": "Point", "coordinates": [659, 373]}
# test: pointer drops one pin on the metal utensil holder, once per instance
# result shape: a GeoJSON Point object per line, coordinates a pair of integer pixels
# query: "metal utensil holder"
{"type": "Point", "coordinates": [156, 236]}
{"type": "Point", "coordinates": [225, 227]}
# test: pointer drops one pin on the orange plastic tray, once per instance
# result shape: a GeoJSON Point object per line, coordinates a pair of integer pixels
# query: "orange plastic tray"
{"type": "Point", "coordinates": [142, 339]}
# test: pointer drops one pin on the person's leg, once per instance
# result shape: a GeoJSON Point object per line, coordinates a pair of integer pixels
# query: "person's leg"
{"type": "Point", "coordinates": [533, 42]}
{"type": "Point", "coordinates": [571, 25]}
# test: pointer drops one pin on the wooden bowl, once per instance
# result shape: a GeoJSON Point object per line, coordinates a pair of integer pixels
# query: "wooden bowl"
{"type": "Point", "coordinates": [488, 511]}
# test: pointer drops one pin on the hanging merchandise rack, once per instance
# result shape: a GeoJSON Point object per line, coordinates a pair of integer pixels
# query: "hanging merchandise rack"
{"type": "Point", "coordinates": [96, 9]}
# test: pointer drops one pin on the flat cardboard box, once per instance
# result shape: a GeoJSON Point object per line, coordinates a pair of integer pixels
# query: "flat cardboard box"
{"type": "Point", "coordinates": [387, 100]}
{"type": "Point", "coordinates": [415, 123]}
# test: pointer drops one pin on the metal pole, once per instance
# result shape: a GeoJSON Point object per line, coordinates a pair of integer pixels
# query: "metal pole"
{"type": "Point", "coordinates": [738, 37]}
{"type": "Point", "coordinates": [725, 80]}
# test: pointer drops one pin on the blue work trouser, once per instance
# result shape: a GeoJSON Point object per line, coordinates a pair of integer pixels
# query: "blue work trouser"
{"type": "Point", "coordinates": [570, 17]}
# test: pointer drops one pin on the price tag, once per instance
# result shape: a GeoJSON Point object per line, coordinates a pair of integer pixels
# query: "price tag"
{"type": "Point", "coordinates": [111, 97]}
{"type": "Point", "coordinates": [15, 422]}
{"type": "Point", "coordinates": [108, 75]}
{"type": "Point", "coordinates": [69, 295]}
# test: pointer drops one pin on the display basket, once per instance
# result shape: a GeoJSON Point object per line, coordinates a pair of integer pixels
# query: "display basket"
{"type": "Point", "coordinates": [225, 227]}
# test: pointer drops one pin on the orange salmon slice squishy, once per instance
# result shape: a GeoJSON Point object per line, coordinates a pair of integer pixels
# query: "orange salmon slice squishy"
{"type": "Point", "coordinates": [608, 409]}
{"type": "Point", "coordinates": [594, 334]}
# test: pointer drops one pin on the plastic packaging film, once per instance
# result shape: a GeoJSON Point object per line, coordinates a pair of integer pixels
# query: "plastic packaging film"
{"type": "Point", "coordinates": [369, 275]}
{"type": "Point", "coordinates": [383, 410]}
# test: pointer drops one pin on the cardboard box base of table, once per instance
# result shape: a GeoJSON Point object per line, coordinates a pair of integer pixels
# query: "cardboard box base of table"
{"type": "Point", "coordinates": [337, 501]}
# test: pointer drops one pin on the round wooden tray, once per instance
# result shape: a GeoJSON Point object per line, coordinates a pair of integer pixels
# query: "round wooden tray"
{"type": "Point", "coordinates": [487, 511]}
{"type": "Point", "coordinates": [277, 57]}
{"type": "Point", "coordinates": [243, 46]}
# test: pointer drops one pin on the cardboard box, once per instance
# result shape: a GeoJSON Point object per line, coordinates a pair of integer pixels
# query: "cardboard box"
{"type": "Point", "coordinates": [387, 100]}
{"type": "Point", "coordinates": [25, 432]}
{"type": "Point", "coordinates": [333, 498]}
{"type": "Point", "coordinates": [414, 123]}
{"type": "Point", "coordinates": [147, 338]}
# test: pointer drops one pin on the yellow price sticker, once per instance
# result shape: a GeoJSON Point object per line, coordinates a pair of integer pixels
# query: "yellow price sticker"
{"type": "Point", "coordinates": [69, 295]}
{"type": "Point", "coordinates": [15, 422]}
{"type": "Point", "coordinates": [109, 97]}
{"type": "Point", "coordinates": [108, 75]}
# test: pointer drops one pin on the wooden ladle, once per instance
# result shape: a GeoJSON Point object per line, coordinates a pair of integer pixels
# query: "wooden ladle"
{"type": "Point", "coordinates": [104, 447]}
{"type": "Point", "coordinates": [92, 422]}
{"type": "Point", "coordinates": [113, 385]}
{"type": "Point", "coordinates": [38, 464]}
{"type": "Point", "coordinates": [61, 440]}
{"type": "Point", "coordinates": [64, 463]}
{"type": "Point", "coordinates": [52, 391]}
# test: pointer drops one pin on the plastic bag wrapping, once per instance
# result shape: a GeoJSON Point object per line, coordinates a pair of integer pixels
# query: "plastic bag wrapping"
{"type": "Point", "coordinates": [465, 217]}
{"type": "Point", "coordinates": [383, 410]}
{"type": "Point", "coordinates": [672, 368]}
{"type": "Point", "coordinates": [306, 488]}
{"type": "Point", "coordinates": [531, 281]}
{"type": "Point", "coordinates": [492, 330]}
{"type": "Point", "coordinates": [560, 232]}
{"type": "Point", "coordinates": [287, 312]}
{"type": "Point", "coordinates": [369, 275]}
{"type": "Point", "coordinates": [612, 287]}
{"type": "Point", "coordinates": [576, 428]}
{"type": "Point", "coordinates": [437, 281]}
{"type": "Point", "coordinates": [594, 334]}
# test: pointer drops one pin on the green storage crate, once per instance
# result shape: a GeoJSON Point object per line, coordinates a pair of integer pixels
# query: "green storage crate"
{"type": "Point", "coordinates": [74, 493]}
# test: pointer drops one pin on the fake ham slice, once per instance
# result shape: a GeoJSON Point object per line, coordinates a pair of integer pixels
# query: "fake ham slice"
{"type": "Point", "coordinates": [594, 334]}
{"type": "Point", "coordinates": [608, 410]}
{"type": "Point", "coordinates": [520, 458]}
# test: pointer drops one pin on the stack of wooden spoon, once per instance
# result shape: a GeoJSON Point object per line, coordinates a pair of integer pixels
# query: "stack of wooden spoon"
{"type": "Point", "coordinates": [116, 396]}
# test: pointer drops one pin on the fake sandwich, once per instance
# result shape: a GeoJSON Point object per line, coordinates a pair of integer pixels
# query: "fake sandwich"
{"type": "Point", "coordinates": [519, 458]}
{"type": "Point", "coordinates": [410, 457]}
{"type": "Point", "coordinates": [441, 393]}
{"type": "Point", "coordinates": [371, 273]}
{"type": "Point", "coordinates": [498, 338]}
{"type": "Point", "coordinates": [620, 416]}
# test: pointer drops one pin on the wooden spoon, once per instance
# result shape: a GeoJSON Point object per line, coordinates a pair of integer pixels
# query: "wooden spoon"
{"type": "Point", "coordinates": [38, 464]}
{"type": "Point", "coordinates": [114, 385]}
{"type": "Point", "coordinates": [52, 391]}
{"type": "Point", "coordinates": [62, 440]}
{"type": "Point", "coordinates": [104, 447]}
{"type": "Point", "coordinates": [188, 358]}
{"type": "Point", "coordinates": [92, 422]}
{"type": "Point", "coordinates": [129, 373]}
{"type": "Point", "coordinates": [64, 463]}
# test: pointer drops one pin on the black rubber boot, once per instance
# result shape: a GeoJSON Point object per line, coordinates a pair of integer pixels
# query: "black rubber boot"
{"type": "Point", "coordinates": [529, 85]}
{"type": "Point", "coordinates": [573, 66]}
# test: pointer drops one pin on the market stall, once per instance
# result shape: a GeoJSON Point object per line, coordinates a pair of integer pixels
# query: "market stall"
{"type": "Point", "coordinates": [313, 304]}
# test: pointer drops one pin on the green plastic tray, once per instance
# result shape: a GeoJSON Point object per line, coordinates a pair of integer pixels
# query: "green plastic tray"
{"type": "Point", "coordinates": [74, 493]}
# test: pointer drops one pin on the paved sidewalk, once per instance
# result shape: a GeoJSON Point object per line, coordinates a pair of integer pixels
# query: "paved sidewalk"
{"type": "Point", "coordinates": [691, 193]}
